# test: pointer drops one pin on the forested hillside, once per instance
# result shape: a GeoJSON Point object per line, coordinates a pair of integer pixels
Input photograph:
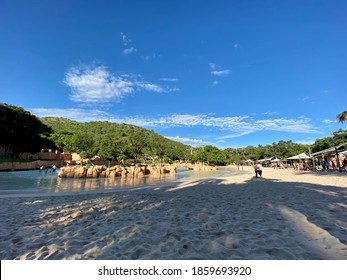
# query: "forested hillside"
{"type": "Point", "coordinates": [21, 131]}
{"type": "Point", "coordinates": [112, 140]}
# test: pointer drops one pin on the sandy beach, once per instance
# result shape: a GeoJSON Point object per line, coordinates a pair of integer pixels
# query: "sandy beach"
{"type": "Point", "coordinates": [284, 215]}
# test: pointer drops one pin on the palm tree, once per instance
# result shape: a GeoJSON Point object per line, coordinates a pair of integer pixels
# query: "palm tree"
{"type": "Point", "coordinates": [342, 117]}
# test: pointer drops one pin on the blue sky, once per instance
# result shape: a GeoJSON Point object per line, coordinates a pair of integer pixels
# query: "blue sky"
{"type": "Point", "coordinates": [224, 73]}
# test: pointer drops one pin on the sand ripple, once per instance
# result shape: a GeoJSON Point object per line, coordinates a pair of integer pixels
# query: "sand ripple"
{"type": "Point", "coordinates": [283, 216]}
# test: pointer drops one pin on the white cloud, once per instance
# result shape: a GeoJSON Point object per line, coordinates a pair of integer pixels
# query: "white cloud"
{"type": "Point", "coordinates": [213, 66]}
{"type": "Point", "coordinates": [98, 85]}
{"type": "Point", "coordinates": [152, 56]}
{"type": "Point", "coordinates": [125, 39]}
{"type": "Point", "coordinates": [229, 136]}
{"type": "Point", "coordinates": [169, 79]}
{"type": "Point", "coordinates": [76, 114]}
{"type": "Point", "coordinates": [237, 125]}
{"type": "Point", "coordinates": [306, 142]}
{"type": "Point", "coordinates": [188, 141]}
{"type": "Point", "coordinates": [215, 83]}
{"type": "Point", "coordinates": [150, 87]}
{"type": "Point", "coordinates": [305, 98]}
{"type": "Point", "coordinates": [129, 50]}
{"type": "Point", "coordinates": [221, 73]}
{"type": "Point", "coordinates": [270, 113]}
{"type": "Point", "coordinates": [218, 71]}
{"type": "Point", "coordinates": [328, 121]}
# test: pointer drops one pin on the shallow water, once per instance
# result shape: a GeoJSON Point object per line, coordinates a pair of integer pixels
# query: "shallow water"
{"type": "Point", "coordinates": [36, 181]}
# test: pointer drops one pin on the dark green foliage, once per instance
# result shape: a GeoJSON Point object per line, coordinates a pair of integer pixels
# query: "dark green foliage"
{"type": "Point", "coordinates": [337, 138]}
{"type": "Point", "coordinates": [21, 131]}
{"type": "Point", "coordinates": [342, 117]}
{"type": "Point", "coordinates": [113, 141]}
{"type": "Point", "coordinates": [208, 154]}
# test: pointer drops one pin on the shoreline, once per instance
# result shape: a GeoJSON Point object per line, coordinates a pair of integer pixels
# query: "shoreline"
{"type": "Point", "coordinates": [284, 215]}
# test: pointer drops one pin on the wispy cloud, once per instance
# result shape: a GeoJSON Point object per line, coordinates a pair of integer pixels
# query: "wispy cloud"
{"type": "Point", "coordinates": [169, 79]}
{"type": "Point", "coordinates": [126, 41]}
{"type": "Point", "coordinates": [188, 141]}
{"type": "Point", "coordinates": [221, 73]}
{"type": "Point", "coordinates": [91, 84]}
{"type": "Point", "coordinates": [229, 136]}
{"type": "Point", "coordinates": [75, 114]}
{"type": "Point", "coordinates": [270, 113]}
{"type": "Point", "coordinates": [152, 56]}
{"type": "Point", "coordinates": [213, 66]}
{"type": "Point", "coordinates": [129, 50]}
{"type": "Point", "coordinates": [215, 83]}
{"type": "Point", "coordinates": [237, 125]}
{"type": "Point", "coordinates": [218, 71]}
{"type": "Point", "coordinates": [302, 125]}
{"type": "Point", "coordinates": [328, 121]}
{"type": "Point", "coordinates": [306, 141]}
{"type": "Point", "coordinates": [305, 98]}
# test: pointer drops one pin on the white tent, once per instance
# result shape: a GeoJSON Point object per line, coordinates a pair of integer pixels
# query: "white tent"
{"type": "Point", "coordinates": [265, 159]}
{"type": "Point", "coordinates": [300, 156]}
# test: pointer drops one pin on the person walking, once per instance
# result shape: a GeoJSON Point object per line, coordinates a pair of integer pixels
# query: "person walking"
{"type": "Point", "coordinates": [255, 170]}
{"type": "Point", "coordinates": [259, 169]}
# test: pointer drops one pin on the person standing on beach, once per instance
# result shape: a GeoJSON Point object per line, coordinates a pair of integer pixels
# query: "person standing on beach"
{"type": "Point", "coordinates": [256, 170]}
{"type": "Point", "coordinates": [260, 169]}
{"type": "Point", "coordinates": [344, 164]}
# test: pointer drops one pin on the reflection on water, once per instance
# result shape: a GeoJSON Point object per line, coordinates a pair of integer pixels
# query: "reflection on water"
{"type": "Point", "coordinates": [30, 182]}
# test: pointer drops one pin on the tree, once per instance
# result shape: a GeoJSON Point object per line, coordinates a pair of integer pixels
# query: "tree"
{"type": "Point", "coordinates": [84, 144]}
{"type": "Point", "coordinates": [108, 148]}
{"type": "Point", "coordinates": [137, 145]}
{"type": "Point", "coordinates": [21, 131]}
{"type": "Point", "coordinates": [342, 117]}
{"type": "Point", "coordinates": [214, 155]}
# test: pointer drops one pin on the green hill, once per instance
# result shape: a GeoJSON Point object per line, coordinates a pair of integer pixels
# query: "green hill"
{"type": "Point", "coordinates": [112, 140]}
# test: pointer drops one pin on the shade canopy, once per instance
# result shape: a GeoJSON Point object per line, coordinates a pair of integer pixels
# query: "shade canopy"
{"type": "Point", "coordinates": [300, 156]}
{"type": "Point", "coordinates": [331, 151]}
{"type": "Point", "coordinates": [265, 159]}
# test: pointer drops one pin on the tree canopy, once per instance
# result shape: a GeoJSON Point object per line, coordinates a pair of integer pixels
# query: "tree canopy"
{"type": "Point", "coordinates": [21, 131]}
{"type": "Point", "coordinates": [342, 117]}
{"type": "Point", "coordinates": [112, 140]}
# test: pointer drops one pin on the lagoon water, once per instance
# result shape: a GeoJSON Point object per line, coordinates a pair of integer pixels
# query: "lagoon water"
{"type": "Point", "coordinates": [42, 182]}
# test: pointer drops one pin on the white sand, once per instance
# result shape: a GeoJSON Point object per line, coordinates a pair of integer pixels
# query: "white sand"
{"type": "Point", "coordinates": [285, 215]}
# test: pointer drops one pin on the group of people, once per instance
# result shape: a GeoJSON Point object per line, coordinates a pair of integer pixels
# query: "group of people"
{"type": "Point", "coordinates": [333, 164]}
{"type": "Point", "coordinates": [50, 170]}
